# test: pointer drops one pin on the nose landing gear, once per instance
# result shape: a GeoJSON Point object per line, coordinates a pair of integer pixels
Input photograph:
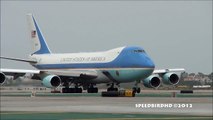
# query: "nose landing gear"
{"type": "Point", "coordinates": [112, 88]}
{"type": "Point", "coordinates": [136, 89]}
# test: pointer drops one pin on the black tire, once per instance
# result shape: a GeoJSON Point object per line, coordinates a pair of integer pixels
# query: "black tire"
{"type": "Point", "coordinates": [89, 90]}
{"type": "Point", "coordinates": [134, 89]}
{"type": "Point", "coordinates": [95, 90]}
{"type": "Point", "coordinates": [72, 90]}
{"type": "Point", "coordinates": [92, 90]}
{"type": "Point", "coordinates": [138, 90]}
{"type": "Point", "coordinates": [64, 90]}
{"type": "Point", "coordinates": [78, 90]}
{"type": "Point", "coordinates": [109, 89]}
{"type": "Point", "coordinates": [115, 89]}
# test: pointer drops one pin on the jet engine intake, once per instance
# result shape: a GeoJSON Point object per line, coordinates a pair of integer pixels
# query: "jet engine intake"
{"type": "Point", "coordinates": [2, 78]}
{"type": "Point", "coordinates": [51, 81]}
{"type": "Point", "coordinates": [170, 79]}
{"type": "Point", "coordinates": [152, 81]}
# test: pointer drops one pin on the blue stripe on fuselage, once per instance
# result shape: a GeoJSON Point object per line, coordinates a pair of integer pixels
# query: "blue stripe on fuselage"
{"type": "Point", "coordinates": [126, 59]}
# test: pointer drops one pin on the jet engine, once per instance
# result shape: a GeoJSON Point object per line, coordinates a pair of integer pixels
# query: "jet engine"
{"type": "Point", "coordinates": [2, 78]}
{"type": "Point", "coordinates": [170, 79]}
{"type": "Point", "coordinates": [152, 81]}
{"type": "Point", "coordinates": [51, 81]}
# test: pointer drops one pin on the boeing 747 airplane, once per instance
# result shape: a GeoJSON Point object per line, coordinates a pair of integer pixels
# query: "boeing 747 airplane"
{"type": "Point", "coordinates": [75, 71]}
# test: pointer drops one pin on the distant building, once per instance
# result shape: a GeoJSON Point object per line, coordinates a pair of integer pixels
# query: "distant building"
{"type": "Point", "coordinates": [200, 77]}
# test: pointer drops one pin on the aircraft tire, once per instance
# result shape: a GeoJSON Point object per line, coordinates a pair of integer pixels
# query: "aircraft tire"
{"type": "Point", "coordinates": [109, 89]}
{"type": "Point", "coordinates": [92, 90]}
{"type": "Point", "coordinates": [78, 90]}
{"type": "Point", "coordinates": [72, 90]}
{"type": "Point", "coordinates": [65, 90]}
{"type": "Point", "coordinates": [115, 89]}
{"type": "Point", "coordinates": [134, 89]}
{"type": "Point", "coordinates": [89, 90]}
{"type": "Point", "coordinates": [138, 90]}
{"type": "Point", "coordinates": [95, 90]}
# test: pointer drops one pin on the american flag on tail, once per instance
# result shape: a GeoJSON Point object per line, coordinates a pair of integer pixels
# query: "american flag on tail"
{"type": "Point", "coordinates": [33, 34]}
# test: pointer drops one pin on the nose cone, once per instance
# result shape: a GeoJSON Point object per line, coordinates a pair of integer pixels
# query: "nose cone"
{"type": "Point", "coordinates": [148, 62]}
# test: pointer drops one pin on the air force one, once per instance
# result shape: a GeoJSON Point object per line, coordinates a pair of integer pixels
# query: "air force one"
{"type": "Point", "coordinates": [75, 71]}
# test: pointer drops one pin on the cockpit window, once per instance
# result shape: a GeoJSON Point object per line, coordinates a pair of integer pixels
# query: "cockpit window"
{"type": "Point", "coordinates": [139, 51]}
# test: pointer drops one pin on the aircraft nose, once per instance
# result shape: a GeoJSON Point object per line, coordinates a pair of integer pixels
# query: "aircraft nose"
{"type": "Point", "coordinates": [149, 63]}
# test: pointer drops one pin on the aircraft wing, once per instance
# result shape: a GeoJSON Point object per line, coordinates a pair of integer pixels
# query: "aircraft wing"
{"type": "Point", "coordinates": [19, 59]}
{"type": "Point", "coordinates": [17, 71]}
{"type": "Point", "coordinates": [161, 71]}
{"type": "Point", "coordinates": [71, 73]}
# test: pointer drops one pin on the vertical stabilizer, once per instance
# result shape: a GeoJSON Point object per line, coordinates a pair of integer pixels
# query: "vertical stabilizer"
{"type": "Point", "coordinates": [39, 43]}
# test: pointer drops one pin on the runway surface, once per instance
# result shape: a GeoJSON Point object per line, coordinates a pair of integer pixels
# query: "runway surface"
{"type": "Point", "coordinates": [18, 104]}
{"type": "Point", "coordinates": [199, 106]}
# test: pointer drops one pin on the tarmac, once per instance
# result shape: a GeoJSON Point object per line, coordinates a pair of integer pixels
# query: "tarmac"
{"type": "Point", "coordinates": [139, 105]}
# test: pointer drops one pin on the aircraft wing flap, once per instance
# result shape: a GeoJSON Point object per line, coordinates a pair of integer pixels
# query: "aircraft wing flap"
{"type": "Point", "coordinates": [160, 71]}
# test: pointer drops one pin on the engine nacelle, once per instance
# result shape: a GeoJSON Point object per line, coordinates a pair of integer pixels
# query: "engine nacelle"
{"type": "Point", "coordinates": [170, 79]}
{"type": "Point", "coordinates": [51, 81]}
{"type": "Point", "coordinates": [152, 81]}
{"type": "Point", "coordinates": [2, 78]}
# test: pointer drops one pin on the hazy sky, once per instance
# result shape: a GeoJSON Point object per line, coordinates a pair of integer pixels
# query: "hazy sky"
{"type": "Point", "coordinates": [173, 33]}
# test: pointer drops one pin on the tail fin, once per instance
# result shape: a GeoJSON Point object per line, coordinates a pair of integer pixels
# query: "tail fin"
{"type": "Point", "coordinates": [39, 44]}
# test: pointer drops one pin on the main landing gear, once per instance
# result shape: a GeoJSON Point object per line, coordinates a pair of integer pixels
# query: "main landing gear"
{"type": "Point", "coordinates": [72, 90]}
{"type": "Point", "coordinates": [79, 90]}
{"type": "Point", "coordinates": [92, 89]}
{"type": "Point", "coordinates": [76, 89]}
